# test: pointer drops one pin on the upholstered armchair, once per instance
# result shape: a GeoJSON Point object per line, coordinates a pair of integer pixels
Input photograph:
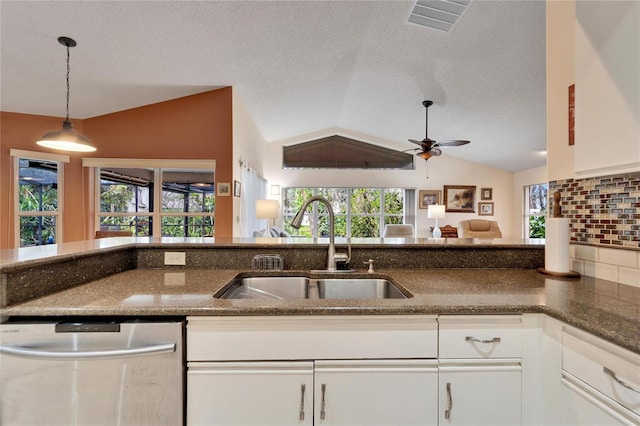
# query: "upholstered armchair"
{"type": "Point", "coordinates": [479, 228]}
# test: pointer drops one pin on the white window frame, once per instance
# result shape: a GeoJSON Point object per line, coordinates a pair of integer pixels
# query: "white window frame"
{"type": "Point", "coordinates": [60, 160]}
{"type": "Point", "coordinates": [527, 212]}
{"type": "Point", "coordinates": [157, 165]}
{"type": "Point", "coordinates": [408, 206]}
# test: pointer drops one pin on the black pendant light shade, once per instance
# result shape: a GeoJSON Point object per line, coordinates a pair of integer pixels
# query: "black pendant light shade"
{"type": "Point", "coordinates": [66, 139]}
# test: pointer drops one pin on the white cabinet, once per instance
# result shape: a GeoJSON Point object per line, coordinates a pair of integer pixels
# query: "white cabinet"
{"type": "Point", "coordinates": [376, 392]}
{"type": "Point", "coordinates": [607, 103]}
{"type": "Point", "coordinates": [600, 382]}
{"type": "Point", "coordinates": [250, 393]}
{"type": "Point", "coordinates": [585, 406]}
{"type": "Point", "coordinates": [480, 393]}
{"type": "Point", "coordinates": [480, 370]}
{"type": "Point", "coordinates": [254, 338]}
{"type": "Point", "coordinates": [406, 370]}
{"type": "Point", "coordinates": [358, 392]}
{"type": "Point", "coordinates": [344, 370]}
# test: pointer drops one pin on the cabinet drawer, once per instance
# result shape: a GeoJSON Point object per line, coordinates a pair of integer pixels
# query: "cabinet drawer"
{"type": "Point", "coordinates": [480, 336]}
{"type": "Point", "coordinates": [610, 370]}
{"type": "Point", "coordinates": [311, 337]}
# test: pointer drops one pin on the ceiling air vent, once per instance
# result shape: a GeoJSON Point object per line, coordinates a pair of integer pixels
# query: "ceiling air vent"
{"type": "Point", "coordinates": [438, 14]}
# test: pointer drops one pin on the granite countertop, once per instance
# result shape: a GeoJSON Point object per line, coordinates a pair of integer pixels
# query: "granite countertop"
{"type": "Point", "coordinates": [33, 256]}
{"type": "Point", "coordinates": [604, 308]}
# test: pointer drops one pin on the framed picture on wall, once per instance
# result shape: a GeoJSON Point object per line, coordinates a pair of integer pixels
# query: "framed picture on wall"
{"type": "Point", "coordinates": [460, 198]}
{"type": "Point", "coordinates": [486, 193]}
{"type": "Point", "coordinates": [428, 198]}
{"type": "Point", "coordinates": [224, 189]}
{"type": "Point", "coordinates": [236, 188]}
{"type": "Point", "coordinates": [485, 209]}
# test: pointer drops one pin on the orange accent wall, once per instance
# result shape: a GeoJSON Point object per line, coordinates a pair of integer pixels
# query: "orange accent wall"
{"type": "Point", "coordinates": [192, 127]}
{"type": "Point", "coordinates": [20, 131]}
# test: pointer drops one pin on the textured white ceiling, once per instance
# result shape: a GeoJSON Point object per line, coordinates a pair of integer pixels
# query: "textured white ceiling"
{"type": "Point", "coordinates": [298, 66]}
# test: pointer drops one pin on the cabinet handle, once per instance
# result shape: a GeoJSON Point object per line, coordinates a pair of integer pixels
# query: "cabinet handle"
{"type": "Point", "coordinates": [447, 413]}
{"type": "Point", "coordinates": [322, 405]}
{"type": "Point", "coordinates": [620, 382]}
{"type": "Point", "coordinates": [302, 389]}
{"type": "Point", "coordinates": [475, 339]}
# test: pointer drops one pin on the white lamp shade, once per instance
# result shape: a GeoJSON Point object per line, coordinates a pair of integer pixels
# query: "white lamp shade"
{"type": "Point", "coordinates": [267, 209]}
{"type": "Point", "coordinates": [436, 211]}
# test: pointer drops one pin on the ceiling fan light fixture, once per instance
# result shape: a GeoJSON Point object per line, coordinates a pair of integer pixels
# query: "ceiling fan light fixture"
{"type": "Point", "coordinates": [66, 139]}
{"type": "Point", "coordinates": [430, 148]}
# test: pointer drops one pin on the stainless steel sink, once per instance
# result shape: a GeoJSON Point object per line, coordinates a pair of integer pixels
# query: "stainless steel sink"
{"type": "Point", "coordinates": [358, 288]}
{"type": "Point", "coordinates": [267, 288]}
{"type": "Point", "coordinates": [290, 287]}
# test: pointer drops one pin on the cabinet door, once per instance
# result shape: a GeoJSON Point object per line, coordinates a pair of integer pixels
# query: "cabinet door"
{"type": "Point", "coordinates": [250, 393]}
{"type": "Point", "coordinates": [376, 392]}
{"type": "Point", "coordinates": [583, 405]}
{"type": "Point", "coordinates": [478, 393]}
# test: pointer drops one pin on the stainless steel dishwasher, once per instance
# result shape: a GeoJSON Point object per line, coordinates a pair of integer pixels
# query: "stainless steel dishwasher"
{"type": "Point", "coordinates": [92, 373]}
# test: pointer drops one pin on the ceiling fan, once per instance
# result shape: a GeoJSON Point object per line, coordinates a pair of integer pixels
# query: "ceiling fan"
{"type": "Point", "coordinates": [429, 147]}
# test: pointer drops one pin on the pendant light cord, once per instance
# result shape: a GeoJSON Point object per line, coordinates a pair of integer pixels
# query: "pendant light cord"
{"type": "Point", "coordinates": [68, 87]}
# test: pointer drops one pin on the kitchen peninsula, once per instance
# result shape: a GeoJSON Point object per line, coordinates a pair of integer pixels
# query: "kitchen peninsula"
{"type": "Point", "coordinates": [527, 334]}
{"type": "Point", "coordinates": [127, 277]}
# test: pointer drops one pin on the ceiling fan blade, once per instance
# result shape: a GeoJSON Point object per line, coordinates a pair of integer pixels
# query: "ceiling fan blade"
{"type": "Point", "coordinates": [405, 151]}
{"type": "Point", "coordinates": [416, 142]}
{"type": "Point", "coordinates": [452, 143]}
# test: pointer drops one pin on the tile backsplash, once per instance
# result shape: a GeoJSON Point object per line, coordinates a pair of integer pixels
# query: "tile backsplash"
{"type": "Point", "coordinates": [603, 211]}
{"type": "Point", "coordinates": [620, 266]}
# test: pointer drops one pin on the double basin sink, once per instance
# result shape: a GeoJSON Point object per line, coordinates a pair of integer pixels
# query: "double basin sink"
{"type": "Point", "coordinates": [301, 287]}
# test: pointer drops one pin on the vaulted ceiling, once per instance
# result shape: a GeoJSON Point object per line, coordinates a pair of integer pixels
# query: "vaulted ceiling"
{"type": "Point", "coordinates": [298, 66]}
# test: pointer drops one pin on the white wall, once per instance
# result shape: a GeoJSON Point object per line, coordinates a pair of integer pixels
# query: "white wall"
{"type": "Point", "coordinates": [521, 179]}
{"type": "Point", "coordinates": [433, 175]}
{"type": "Point", "coordinates": [249, 147]}
{"type": "Point", "coordinates": [560, 75]}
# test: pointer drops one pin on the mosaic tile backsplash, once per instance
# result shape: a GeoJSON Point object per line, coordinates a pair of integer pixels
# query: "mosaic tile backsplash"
{"type": "Point", "coordinates": [603, 210]}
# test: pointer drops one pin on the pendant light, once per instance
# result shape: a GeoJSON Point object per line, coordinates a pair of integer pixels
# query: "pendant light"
{"type": "Point", "coordinates": [66, 139]}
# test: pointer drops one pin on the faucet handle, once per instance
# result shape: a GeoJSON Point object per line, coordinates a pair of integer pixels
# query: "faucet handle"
{"type": "Point", "coordinates": [344, 257]}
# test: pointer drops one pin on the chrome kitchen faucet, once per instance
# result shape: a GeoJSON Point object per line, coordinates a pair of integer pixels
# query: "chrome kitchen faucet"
{"type": "Point", "coordinates": [332, 257]}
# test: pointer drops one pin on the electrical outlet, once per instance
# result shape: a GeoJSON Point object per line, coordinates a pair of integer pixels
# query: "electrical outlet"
{"type": "Point", "coordinates": [175, 258]}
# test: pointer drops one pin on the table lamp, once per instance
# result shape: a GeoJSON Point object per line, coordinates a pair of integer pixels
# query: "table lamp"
{"type": "Point", "coordinates": [436, 211]}
{"type": "Point", "coordinates": [267, 209]}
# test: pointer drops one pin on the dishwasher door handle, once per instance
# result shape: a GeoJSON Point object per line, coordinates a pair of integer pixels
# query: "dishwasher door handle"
{"type": "Point", "coordinates": [26, 352]}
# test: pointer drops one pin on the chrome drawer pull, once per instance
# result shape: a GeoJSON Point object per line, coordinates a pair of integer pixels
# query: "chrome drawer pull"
{"type": "Point", "coordinates": [302, 389]}
{"type": "Point", "coordinates": [474, 339]}
{"type": "Point", "coordinates": [620, 382]}
{"type": "Point", "coordinates": [322, 404]}
{"type": "Point", "coordinates": [447, 412]}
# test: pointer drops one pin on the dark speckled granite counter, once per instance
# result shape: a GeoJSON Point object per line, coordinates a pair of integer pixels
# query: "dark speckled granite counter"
{"type": "Point", "coordinates": [606, 309]}
{"type": "Point", "coordinates": [126, 277]}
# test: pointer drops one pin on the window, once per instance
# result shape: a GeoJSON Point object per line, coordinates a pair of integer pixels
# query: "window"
{"type": "Point", "coordinates": [359, 212]}
{"type": "Point", "coordinates": [38, 197]}
{"type": "Point", "coordinates": [340, 152]}
{"type": "Point", "coordinates": [535, 197]}
{"type": "Point", "coordinates": [128, 198]}
{"type": "Point", "coordinates": [188, 203]}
